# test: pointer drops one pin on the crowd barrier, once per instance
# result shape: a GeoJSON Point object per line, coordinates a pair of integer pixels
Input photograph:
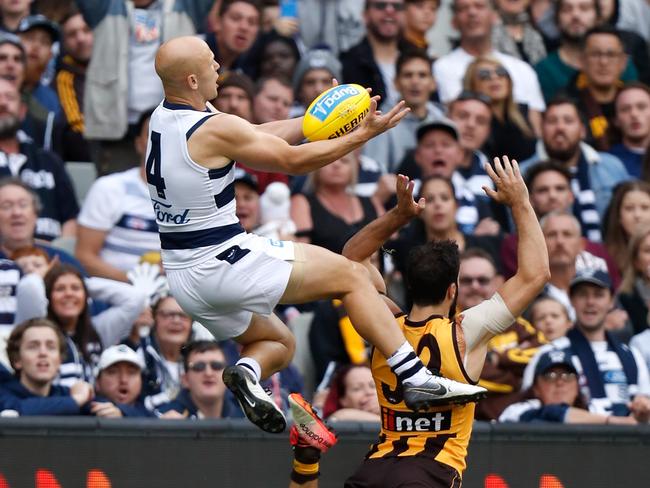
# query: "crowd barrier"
{"type": "Point", "coordinates": [104, 453]}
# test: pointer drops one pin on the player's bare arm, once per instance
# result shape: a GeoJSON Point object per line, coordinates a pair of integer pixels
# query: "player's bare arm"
{"type": "Point", "coordinates": [289, 130]}
{"type": "Point", "coordinates": [492, 316]}
{"type": "Point", "coordinates": [370, 238]}
{"type": "Point", "coordinates": [224, 137]}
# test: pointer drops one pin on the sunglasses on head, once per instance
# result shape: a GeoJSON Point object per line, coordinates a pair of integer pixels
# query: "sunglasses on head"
{"type": "Point", "coordinates": [200, 366]}
{"type": "Point", "coordinates": [384, 6]}
{"type": "Point", "coordinates": [487, 73]}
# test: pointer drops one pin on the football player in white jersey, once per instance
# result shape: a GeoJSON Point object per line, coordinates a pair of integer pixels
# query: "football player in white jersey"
{"type": "Point", "coordinates": [229, 280]}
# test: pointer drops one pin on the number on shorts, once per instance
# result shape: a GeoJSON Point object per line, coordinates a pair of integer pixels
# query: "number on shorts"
{"type": "Point", "coordinates": [153, 166]}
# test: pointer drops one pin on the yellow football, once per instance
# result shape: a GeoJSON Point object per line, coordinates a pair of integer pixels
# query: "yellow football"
{"type": "Point", "coordinates": [335, 112]}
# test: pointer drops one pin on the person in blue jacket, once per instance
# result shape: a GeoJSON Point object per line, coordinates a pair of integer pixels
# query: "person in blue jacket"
{"type": "Point", "coordinates": [204, 394]}
{"type": "Point", "coordinates": [118, 385]}
{"type": "Point", "coordinates": [35, 349]}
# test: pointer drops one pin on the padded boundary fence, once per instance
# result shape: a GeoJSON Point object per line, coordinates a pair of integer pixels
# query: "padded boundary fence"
{"type": "Point", "coordinates": [58, 452]}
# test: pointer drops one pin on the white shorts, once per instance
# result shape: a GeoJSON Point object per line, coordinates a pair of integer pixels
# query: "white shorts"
{"type": "Point", "coordinates": [223, 292]}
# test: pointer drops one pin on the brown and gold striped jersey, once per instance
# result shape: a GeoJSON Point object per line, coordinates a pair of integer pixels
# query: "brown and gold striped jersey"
{"type": "Point", "coordinates": [441, 433]}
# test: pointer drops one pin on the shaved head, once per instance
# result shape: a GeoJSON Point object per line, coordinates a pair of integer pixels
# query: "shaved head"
{"type": "Point", "coordinates": [187, 69]}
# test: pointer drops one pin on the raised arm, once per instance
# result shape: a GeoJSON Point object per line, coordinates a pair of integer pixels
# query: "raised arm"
{"type": "Point", "coordinates": [228, 136]}
{"type": "Point", "coordinates": [533, 269]}
{"type": "Point", "coordinates": [493, 316]}
{"type": "Point", "coordinates": [370, 238]}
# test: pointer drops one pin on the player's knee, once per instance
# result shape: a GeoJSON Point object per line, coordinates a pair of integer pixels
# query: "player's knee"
{"type": "Point", "coordinates": [357, 276]}
{"type": "Point", "coordinates": [288, 340]}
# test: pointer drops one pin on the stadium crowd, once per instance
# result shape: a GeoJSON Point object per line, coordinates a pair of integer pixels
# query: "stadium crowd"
{"type": "Point", "coordinates": [87, 324]}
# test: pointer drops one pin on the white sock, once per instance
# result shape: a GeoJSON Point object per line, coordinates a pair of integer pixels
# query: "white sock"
{"type": "Point", "coordinates": [407, 366]}
{"type": "Point", "coordinates": [251, 365]}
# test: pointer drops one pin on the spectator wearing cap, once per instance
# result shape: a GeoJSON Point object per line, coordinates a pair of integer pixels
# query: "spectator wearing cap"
{"type": "Point", "coordinates": [38, 34]}
{"type": "Point", "coordinates": [35, 349]}
{"type": "Point", "coordinates": [612, 376]}
{"type": "Point", "coordinates": [117, 222]}
{"type": "Point", "coordinates": [440, 153]}
{"type": "Point", "coordinates": [555, 397]}
{"type": "Point", "coordinates": [121, 82]}
{"type": "Point", "coordinates": [371, 63]}
{"type": "Point", "coordinates": [312, 76]}
{"type": "Point", "coordinates": [567, 254]}
{"type": "Point", "coordinates": [632, 119]}
{"type": "Point", "coordinates": [40, 169]}
{"type": "Point", "coordinates": [11, 13]}
{"type": "Point", "coordinates": [236, 93]}
{"type": "Point", "coordinates": [119, 384]}
{"type": "Point", "coordinates": [414, 81]}
{"type": "Point", "coordinates": [204, 393]}
{"type": "Point", "coordinates": [235, 30]}
{"type": "Point", "coordinates": [70, 80]}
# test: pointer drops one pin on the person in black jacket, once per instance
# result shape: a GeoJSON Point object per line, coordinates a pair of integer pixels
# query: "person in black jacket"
{"type": "Point", "coordinates": [35, 348]}
{"type": "Point", "coordinates": [371, 63]}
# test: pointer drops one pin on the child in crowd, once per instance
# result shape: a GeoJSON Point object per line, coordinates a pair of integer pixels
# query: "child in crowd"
{"type": "Point", "coordinates": [31, 259]}
{"type": "Point", "coordinates": [550, 317]}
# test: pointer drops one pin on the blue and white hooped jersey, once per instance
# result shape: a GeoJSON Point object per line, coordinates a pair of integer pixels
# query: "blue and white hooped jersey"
{"type": "Point", "coordinates": [194, 206]}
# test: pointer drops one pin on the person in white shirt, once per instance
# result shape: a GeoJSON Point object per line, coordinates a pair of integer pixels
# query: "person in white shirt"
{"type": "Point", "coordinates": [474, 19]}
{"type": "Point", "coordinates": [117, 223]}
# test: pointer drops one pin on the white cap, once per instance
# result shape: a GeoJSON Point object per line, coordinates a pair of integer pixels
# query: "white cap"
{"type": "Point", "coordinates": [118, 354]}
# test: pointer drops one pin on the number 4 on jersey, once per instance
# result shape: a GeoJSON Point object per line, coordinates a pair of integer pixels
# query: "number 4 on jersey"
{"type": "Point", "coordinates": [153, 166]}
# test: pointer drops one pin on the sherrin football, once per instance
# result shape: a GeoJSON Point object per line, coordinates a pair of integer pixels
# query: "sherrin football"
{"type": "Point", "coordinates": [335, 112]}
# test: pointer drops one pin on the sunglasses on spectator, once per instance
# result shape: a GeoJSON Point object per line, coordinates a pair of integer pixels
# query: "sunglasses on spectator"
{"type": "Point", "coordinates": [200, 366]}
{"type": "Point", "coordinates": [472, 95]}
{"type": "Point", "coordinates": [384, 6]}
{"type": "Point", "coordinates": [481, 280]}
{"type": "Point", "coordinates": [172, 315]}
{"type": "Point", "coordinates": [487, 73]}
{"type": "Point", "coordinates": [554, 376]}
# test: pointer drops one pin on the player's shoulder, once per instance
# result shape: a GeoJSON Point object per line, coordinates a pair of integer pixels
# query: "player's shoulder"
{"type": "Point", "coordinates": [221, 124]}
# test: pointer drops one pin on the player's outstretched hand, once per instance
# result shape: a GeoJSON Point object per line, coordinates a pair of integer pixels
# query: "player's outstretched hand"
{"type": "Point", "coordinates": [376, 122]}
{"type": "Point", "coordinates": [510, 187]}
{"type": "Point", "coordinates": [407, 207]}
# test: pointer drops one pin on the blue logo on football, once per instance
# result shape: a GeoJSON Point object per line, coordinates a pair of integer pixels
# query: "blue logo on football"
{"type": "Point", "coordinates": [323, 108]}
